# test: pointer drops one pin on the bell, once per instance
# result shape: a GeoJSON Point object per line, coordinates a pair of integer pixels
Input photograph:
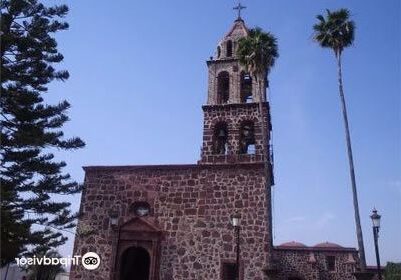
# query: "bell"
{"type": "Point", "coordinates": [247, 131]}
{"type": "Point", "coordinates": [222, 133]}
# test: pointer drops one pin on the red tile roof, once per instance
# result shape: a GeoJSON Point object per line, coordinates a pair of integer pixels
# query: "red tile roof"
{"type": "Point", "coordinates": [293, 244]}
{"type": "Point", "coordinates": [321, 247]}
{"type": "Point", "coordinates": [327, 245]}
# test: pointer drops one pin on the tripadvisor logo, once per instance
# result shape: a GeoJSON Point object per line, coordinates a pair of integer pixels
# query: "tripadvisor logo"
{"type": "Point", "coordinates": [89, 261]}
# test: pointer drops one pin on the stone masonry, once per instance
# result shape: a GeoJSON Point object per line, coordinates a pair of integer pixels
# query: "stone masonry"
{"type": "Point", "coordinates": [192, 204]}
{"type": "Point", "coordinates": [233, 115]}
{"type": "Point", "coordinates": [303, 262]}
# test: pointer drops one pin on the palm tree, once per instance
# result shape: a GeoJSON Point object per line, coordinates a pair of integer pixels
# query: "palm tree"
{"type": "Point", "coordinates": [336, 32]}
{"type": "Point", "coordinates": [258, 53]}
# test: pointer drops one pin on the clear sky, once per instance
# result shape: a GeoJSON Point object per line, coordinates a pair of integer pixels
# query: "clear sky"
{"type": "Point", "coordinates": [139, 78]}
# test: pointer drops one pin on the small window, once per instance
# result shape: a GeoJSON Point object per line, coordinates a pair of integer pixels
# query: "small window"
{"type": "Point", "coordinates": [331, 263]}
{"type": "Point", "coordinates": [140, 208]}
{"type": "Point", "coordinates": [229, 48]}
{"type": "Point", "coordinates": [229, 271]}
{"type": "Point", "coordinates": [218, 52]}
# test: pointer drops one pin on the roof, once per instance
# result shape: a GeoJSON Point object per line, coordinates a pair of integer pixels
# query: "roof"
{"type": "Point", "coordinates": [327, 245]}
{"type": "Point", "coordinates": [238, 29]}
{"type": "Point", "coordinates": [168, 166]}
{"type": "Point", "coordinates": [293, 244]}
{"type": "Point", "coordinates": [324, 246]}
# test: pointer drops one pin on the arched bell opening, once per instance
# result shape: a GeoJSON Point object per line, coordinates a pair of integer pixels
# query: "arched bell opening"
{"type": "Point", "coordinates": [223, 87]}
{"type": "Point", "coordinates": [246, 88]}
{"type": "Point", "coordinates": [220, 139]}
{"type": "Point", "coordinates": [135, 264]}
{"type": "Point", "coordinates": [229, 48]}
{"type": "Point", "coordinates": [247, 138]}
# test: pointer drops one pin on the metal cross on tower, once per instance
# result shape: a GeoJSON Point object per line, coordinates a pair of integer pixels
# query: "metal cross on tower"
{"type": "Point", "coordinates": [239, 7]}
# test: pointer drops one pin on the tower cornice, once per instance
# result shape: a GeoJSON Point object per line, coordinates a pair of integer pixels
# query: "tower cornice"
{"type": "Point", "coordinates": [233, 105]}
{"type": "Point", "coordinates": [221, 60]}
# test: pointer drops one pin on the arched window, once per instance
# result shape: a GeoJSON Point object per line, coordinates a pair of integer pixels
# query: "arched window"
{"type": "Point", "coordinates": [247, 138]}
{"type": "Point", "coordinates": [218, 52]}
{"type": "Point", "coordinates": [246, 88]}
{"type": "Point", "coordinates": [223, 87]}
{"type": "Point", "coordinates": [220, 137]}
{"type": "Point", "coordinates": [229, 50]}
{"type": "Point", "coordinates": [140, 208]}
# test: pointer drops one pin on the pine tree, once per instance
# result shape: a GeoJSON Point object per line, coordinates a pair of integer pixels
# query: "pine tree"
{"type": "Point", "coordinates": [46, 272]}
{"type": "Point", "coordinates": [30, 177]}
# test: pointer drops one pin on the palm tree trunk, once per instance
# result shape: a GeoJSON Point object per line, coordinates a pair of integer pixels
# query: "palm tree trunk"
{"type": "Point", "coordinates": [351, 166]}
{"type": "Point", "coordinates": [265, 150]}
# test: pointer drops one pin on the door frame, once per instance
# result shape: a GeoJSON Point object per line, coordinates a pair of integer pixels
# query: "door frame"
{"type": "Point", "coordinates": [138, 232]}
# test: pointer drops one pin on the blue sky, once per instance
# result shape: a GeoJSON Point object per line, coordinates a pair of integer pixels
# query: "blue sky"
{"type": "Point", "coordinates": [139, 78]}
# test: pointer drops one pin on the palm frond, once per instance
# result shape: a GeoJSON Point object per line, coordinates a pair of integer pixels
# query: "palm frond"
{"type": "Point", "coordinates": [321, 18]}
{"type": "Point", "coordinates": [336, 31]}
{"type": "Point", "coordinates": [258, 51]}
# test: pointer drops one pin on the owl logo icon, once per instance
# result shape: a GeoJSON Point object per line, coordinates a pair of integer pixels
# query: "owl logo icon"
{"type": "Point", "coordinates": [91, 260]}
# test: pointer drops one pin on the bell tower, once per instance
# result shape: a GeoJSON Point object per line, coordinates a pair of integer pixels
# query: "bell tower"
{"type": "Point", "coordinates": [232, 130]}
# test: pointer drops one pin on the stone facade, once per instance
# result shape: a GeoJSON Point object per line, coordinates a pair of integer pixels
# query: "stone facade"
{"type": "Point", "coordinates": [233, 100]}
{"type": "Point", "coordinates": [311, 263]}
{"type": "Point", "coordinates": [191, 205]}
{"type": "Point", "coordinates": [222, 62]}
{"type": "Point", "coordinates": [234, 115]}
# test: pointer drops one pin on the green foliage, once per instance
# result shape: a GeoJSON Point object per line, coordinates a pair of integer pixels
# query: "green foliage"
{"type": "Point", "coordinates": [45, 272]}
{"type": "Point", "coordinates": [336, 31]}
{"type": "Point", "coordinates": [392, 271]}
{"type": "Point", "coordinates": [258, 52]}
{"type": "Point", "coordinates": [30, 177]}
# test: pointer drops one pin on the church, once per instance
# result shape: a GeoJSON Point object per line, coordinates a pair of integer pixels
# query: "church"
{"type": "Point", "coordinates": [164, 222]}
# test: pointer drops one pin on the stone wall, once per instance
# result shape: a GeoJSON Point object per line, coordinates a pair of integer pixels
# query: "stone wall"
{"type": "Point", "coordinates": [310, 264]}
{"type": "Point", "coordinates": [233, 115]}
{"type": "Point", "coordinates": [192, 205]}
{"type": "Point", "coordinates": [234, 69]}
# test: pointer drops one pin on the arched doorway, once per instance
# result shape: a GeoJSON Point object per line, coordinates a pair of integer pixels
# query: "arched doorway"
{"type": "Point", "coordinates": [135, 264]}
